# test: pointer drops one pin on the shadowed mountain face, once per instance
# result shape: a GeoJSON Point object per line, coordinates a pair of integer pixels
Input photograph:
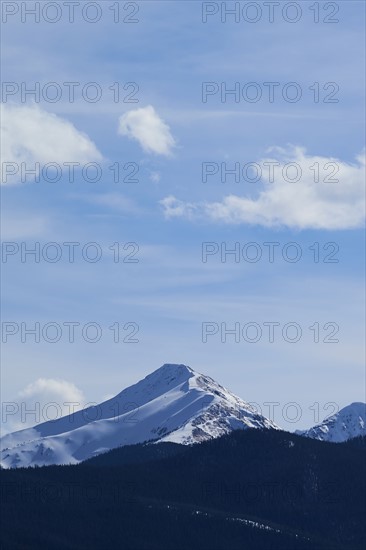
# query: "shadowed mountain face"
{"type": "Point", "coordinates": [174, 403]}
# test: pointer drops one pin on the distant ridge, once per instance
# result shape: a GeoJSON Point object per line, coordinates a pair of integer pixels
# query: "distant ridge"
{"type": "Point", "coordinates": [349, 422]}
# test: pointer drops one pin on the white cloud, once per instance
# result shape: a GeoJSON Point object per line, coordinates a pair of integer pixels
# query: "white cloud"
{"type": "Point", "coordinates": [174, 208]}
{"type": "Point", "coordinates": [42, 400]}
{"type": "Point", "coordinates": [302, 204]}
{"type": "Point", "coordinates": [30, 134]}
{"type": "Point", "coordinates": [145, 126]}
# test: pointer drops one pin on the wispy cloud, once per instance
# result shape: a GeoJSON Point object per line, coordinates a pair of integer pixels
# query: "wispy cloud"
{"type": "Point", "coordinates": [20, 225]}
{"type": "Point", "coordinates": [112, 201]}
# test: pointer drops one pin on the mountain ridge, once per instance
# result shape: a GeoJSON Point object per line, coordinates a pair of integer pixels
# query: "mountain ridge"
{"type": "Point", "coordinates": [281, 490]}
{"type": "Point", "coordinates": [173, 403]}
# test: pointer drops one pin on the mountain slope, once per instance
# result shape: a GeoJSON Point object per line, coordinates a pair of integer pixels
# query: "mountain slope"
{"type": "Point", "coordinates": [349, 422]}
{"type": "Point", "coordinates": [174, 404]}
{"type": "Point", "coordinates": [255, 489]}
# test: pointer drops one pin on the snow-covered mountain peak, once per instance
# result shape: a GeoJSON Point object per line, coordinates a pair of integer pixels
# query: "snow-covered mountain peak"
{"type": "Point", "coordinates": [174, 369]}
{"type": "Point", "coordinates": [347, 423]}
{"type": "Point", "coordinates": [173, 403]}
{"type": "Point", "coordinates": [168, 375]}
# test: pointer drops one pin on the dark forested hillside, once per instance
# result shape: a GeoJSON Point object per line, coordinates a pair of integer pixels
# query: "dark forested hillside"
{"type": "Point", "coordinates": [251, 489]}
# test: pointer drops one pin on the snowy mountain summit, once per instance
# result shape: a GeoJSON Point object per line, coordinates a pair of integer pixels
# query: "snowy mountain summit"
{"type": "Point", "coordinates": [349, 422]}
{"type": "Point", "coordinates": [174, 403]}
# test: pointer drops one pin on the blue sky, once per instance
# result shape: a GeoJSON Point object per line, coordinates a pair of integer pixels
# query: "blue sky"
{"type": "Point", "coordinates": [168, 133]}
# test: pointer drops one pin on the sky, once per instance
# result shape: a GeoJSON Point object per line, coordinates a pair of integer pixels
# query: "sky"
{"type": "Point", "coordinates": [191, 182]}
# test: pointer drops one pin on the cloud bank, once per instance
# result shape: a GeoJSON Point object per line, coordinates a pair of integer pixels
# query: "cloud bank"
{"type": "Point", "coordinates": [300, 191]}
